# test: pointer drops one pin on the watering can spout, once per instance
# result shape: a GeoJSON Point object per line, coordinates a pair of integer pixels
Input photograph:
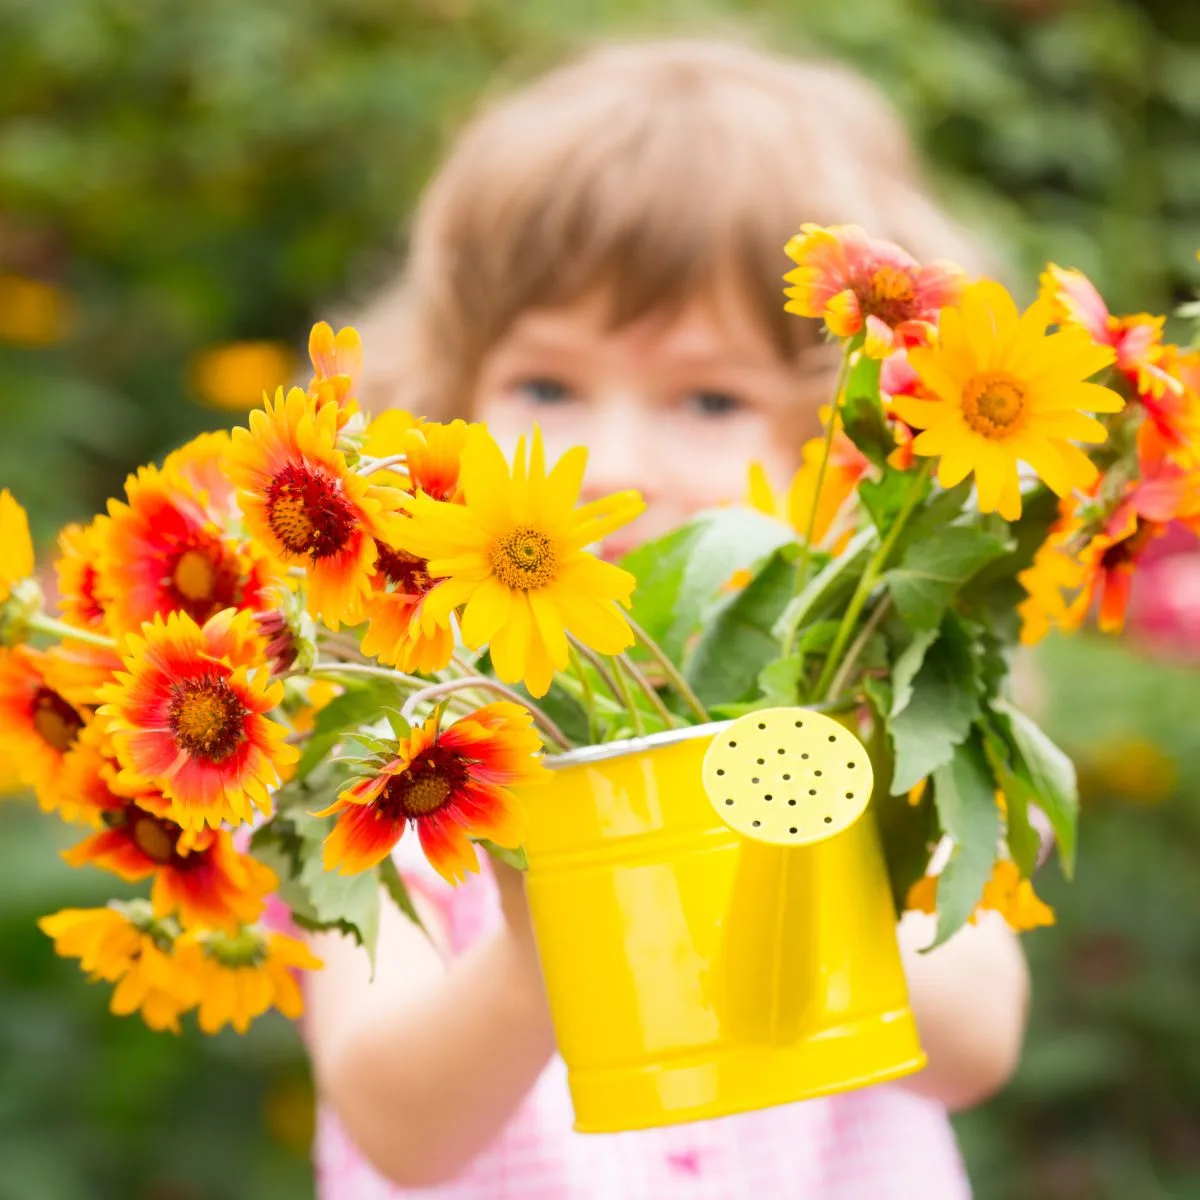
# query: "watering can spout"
{"type": "Point", "coordinates": [787, 780]}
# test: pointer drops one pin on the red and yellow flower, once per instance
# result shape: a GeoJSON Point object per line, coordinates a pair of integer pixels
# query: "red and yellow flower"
{"type": "Point", "coordinates": [164, 552]}
{"type": "Point", "coordinates": [1004, 392]}
{"type": "Point", "coordinates": [80, 547]}
{"type": "Point", "coordinates": [240, 976]}
{"type": "Point", "coordinates": [197, 874]}
{"type": "Point", "coordinates": [452, 784]}
{"type": "Point", "coordinates": [857, 283]}
{"type": "Point", "coordinates": [126, 946]}
{"type": "Point", "coordinates": [397, 629]}
{"type": "Point", "coordinates": [39, 727]}
{"type": "Point", "coordinates": [306, 508]}
{"type": "Point", "coordinates": [513, 552]}
{"type": "Point", "coordinates": [16, 547]}
{"type": "Point", "coordinates": [187, 716]}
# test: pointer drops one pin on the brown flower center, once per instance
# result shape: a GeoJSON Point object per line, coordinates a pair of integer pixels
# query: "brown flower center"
{"type": "Point", "coordinates": [309, 513]}
{"type": "Point", "coordinates": [993, 403]}
{"type": "Point", "coordinates": [206, 717]}
{"type": "Point", "coordinates": [1125, 553]}
{"type": "Point", "coordinates": [425, 785]}
{"type": "Point", "coordinates": [154, 837]}
{"type": "Point", "coordinates": [404, 572]}
{"type": "Point", "coordinates": [55, 720]}
{"type": "Point", "coordinates": [890, 295]}
{"type": "Point", "coordinates": [203, 578]}
{"type": "Point", "coordinates": [524, 559]}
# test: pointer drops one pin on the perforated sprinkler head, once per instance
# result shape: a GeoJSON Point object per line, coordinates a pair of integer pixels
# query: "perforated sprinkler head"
{"type": "Point", "coordinates": [787, 776]}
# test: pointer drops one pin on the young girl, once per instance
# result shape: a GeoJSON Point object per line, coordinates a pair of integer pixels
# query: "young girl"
{"type": "Point", "coordinates": [602, 254]}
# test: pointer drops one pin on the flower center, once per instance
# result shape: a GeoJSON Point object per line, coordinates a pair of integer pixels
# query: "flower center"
{"type": "Point", "coordinates": [1125, 553]}
{"type": "Point", "coordinates": [890, 295]}
{"type": "Point", "coordinates": [405, 572]}
{"type": "Point", "coordinates": [55, 720]}
{"type": "Point", "coordinates": [524, 559]}
{"type": "Point", "coordinates": [425, 785]}
{"type": "Point", "coordinates": [155, 838]}
{"type": "Point", "coordinates": [203, 578]}
{"type": "Point", "coordinates": [993, 403]}
{"type": "Point", "coordinates": [206, 717]}
{"type": "Point", "coordinates": [308, 512]}
{"type": "Point", "coordinates": [246, 949]}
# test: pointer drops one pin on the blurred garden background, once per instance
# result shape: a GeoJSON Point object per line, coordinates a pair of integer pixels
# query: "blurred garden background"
{"type": "Point", "coordinates": [184, 187]}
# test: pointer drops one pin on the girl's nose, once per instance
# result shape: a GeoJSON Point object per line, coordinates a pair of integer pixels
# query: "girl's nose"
{"type": "Point", "coordinates": [620, 454]}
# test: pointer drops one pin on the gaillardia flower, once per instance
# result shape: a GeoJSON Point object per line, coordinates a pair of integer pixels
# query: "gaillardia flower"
{"type": "Point", "coordinates": [240, 976]}
{"type": "Point", "coordinates": [16, 547]}
{"type": "Point", "coordinates": [1004, 392]}
{"type": "Point", "coordinates": [337, 364]}
{"type": "Point", "coordinates": [197, 874]}
{"type": "Point", "coordinates": [452, 784]}
{"type": "Point", "coordinates": [126, 946]}
{"type": "Point", "coordinates": [163, 552]}
{"type": "Point", "coordinates": [855, 283]}
{"type": "Point", "coordinates": [187, 717]}
{"type": "Point", "coordinates": [306, 508]}
{"type": "Point", "coordinates": [80, 547]}
{"type": "Point", "coordinates": [39, 726]}
{"type": "Point", "coordinates": [513, 552]}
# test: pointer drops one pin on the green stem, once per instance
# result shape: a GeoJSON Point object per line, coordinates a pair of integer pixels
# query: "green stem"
{"type": "Point", "coordinates": [343, 668]}
{"type": "Point", "coordinates": [597, 662]}
{"type": "Point", "coordinates": [40, 623]}
{"type": "Point", "coordinates": [670, 670]}
{"type": "Point", "coordinates": [435, 690]}
{"type": "Point", "coordinates": [858, 645]}
{"type": "Point", "coordinates": [626, 663]}
{"type": "Point", "coordinates": [639, 724]}
{"type": "Point", "coordinates": [589, 699]}
{"type": "Point", "coordinates": [826, 452]}
{"type": "Point", "coordinates": [870, 577]}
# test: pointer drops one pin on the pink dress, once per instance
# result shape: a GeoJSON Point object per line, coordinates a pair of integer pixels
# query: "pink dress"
{"type": "Point", "coordinates": [881, 1143]}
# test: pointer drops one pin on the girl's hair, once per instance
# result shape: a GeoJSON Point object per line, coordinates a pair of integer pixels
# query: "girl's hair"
{"type": "Point", "coordinates": [648, 169]}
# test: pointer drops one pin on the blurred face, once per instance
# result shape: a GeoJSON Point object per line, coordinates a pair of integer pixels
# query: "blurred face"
{"type": "Point", "coordinates": [675, 406]}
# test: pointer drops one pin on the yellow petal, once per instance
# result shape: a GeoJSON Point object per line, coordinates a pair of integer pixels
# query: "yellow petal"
{"type": "Point", "coordinates": [510, 644]}
{"type": "Point", "coordinates": [486, 612]}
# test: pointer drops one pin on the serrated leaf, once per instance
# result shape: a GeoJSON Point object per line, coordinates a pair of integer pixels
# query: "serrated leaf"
{"type": "Point", "coordinates": [346, 902]}
{"type": "Point", "coordinates": [358, 705]}
{"type": "Point", "coordinates": [862, 414]}
{"type": "Point", "coordinates": [964, 794]}
{"type": "Point", "coordinates": [938, 512]}
{"type": "Point", "coordinates": [397, 723]}
{"type": "Point", "coordinates": [826, 594]}
{"type": "Point", "coordinates": [1049, 774]}
{"type": "Point", "coordinates": [779, 681]}
{"type": "Point", "coordinates": [884, 497]}
{"type": "Point", "coordinates": [1022, 839]}
{"type": "Point", "coordinates": [738, 641]}
{"type": "Point", "coordinates": [906, 667]}
{"type": "Point", "coordinates": [938, 716]}
{"type": "Point", "coordinates": [929, 576]}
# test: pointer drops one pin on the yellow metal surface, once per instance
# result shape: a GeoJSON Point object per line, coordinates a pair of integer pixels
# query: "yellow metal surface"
{"type": "Point", "coordinates": [693, 972]}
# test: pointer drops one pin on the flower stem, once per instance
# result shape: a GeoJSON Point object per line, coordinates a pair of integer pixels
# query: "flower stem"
{"type": "Point", "coordinates": [670, 670]}
{"type": "Point", "coordinates": [368, 466]}
{"type": "Point", "coordinates": [870, 577]}
{"type": "Point", "coordinates": [342, 668]}
{"type": "Point", "coordinates": [826, 452]}
{"type": "Point", "coordinates": [433, 691]}
{"type": "Point", "coordinates": [589, 699]}
{"type": "Point", "coordinates": [858, 645]}
{"type": "Point", "coordinates": [40, 623]}
{"type": "Point", "coordinates": [639, 724]}
{"type": "Point", "coordinates": [627, 664]}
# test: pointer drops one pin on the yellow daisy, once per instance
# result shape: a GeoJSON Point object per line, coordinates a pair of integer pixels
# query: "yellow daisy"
{"type": "Point", "coordinates": [1004, 392]}
{"type": "Point", "coordinates": [16, 547]}
{"type": "Point", "coordinates": [512, 551]}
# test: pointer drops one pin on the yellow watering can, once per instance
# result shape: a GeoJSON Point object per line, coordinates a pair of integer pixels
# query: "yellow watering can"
{"type": "Point", "coordinates": [714, 922]}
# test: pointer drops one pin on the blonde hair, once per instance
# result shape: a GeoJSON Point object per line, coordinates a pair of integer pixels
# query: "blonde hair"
{"type": "Point", "coordinates": [649, 168]}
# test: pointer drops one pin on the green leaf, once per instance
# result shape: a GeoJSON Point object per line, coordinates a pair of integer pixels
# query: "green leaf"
{"type": "Point", "coordinates": [964, 793]}
{"type": "Point", "coordinates": [826, 594]}
{"type": "Point", "coordinates": [907, 664]}
{"type": "Point", "coordinates": [931, 573]}
{"type": "Point", "coordinates": [738, 642]}
{"type": "Point", "coordinates": [680, 576]}
{"type": "Point", "coordinates": [360, 704]}
{"type": "Point", "coordinates": [1023, 840]}
{"type": "Point", "coordinates": [907, 832]}
{"type": "Point", "coordinates": [397, 724]}
{"type": "Point", "coordinates": [779, 681]}
{"type": "Point", "coordinates": [394, 884]}
{"type": "Point", "coordinates": [935, 514]}
{"type": "Point", "coordinates": [506, 854]}
{"type": "Point", "coordinates": [1049, 774]}
{"type": "Point", "coordinates": [885, 496]}
{"type": "Point", "coordinates": [938, 716]}
{"type": "Point", "coordinates": [862, 414]}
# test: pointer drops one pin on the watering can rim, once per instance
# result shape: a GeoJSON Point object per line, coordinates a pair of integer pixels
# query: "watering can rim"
{"type": "Point", "coordinates": [583, 755]}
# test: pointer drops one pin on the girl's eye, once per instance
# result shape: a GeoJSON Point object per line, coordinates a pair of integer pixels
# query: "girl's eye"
{"type": "Point", "coordinates": [543, 390]}
{"type": "Point", "coordinates": [714, 404]}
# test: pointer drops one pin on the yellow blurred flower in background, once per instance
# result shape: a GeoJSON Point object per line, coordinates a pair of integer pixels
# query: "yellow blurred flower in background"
{"type": "Point", "coordinates": [235, 375]}
{"type": "Point", "coordinates": [33, 312]}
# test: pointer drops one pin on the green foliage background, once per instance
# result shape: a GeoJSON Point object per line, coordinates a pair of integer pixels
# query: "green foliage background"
{"type": "Point", "coordinates": [193, 174]}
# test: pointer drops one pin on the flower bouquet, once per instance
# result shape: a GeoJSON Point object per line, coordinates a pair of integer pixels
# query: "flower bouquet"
{"type": "Point", "coordinates": [289, 647]}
